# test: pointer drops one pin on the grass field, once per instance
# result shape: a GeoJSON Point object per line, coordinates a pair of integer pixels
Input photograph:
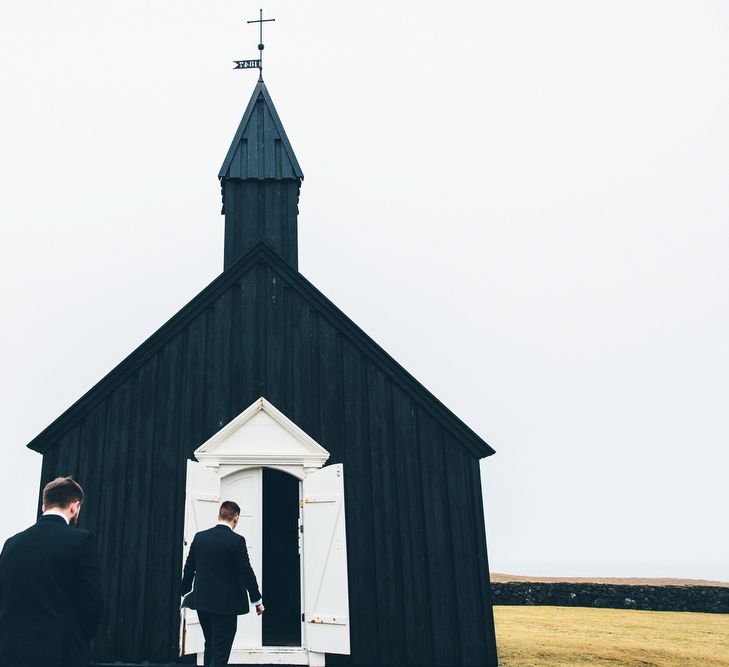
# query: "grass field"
{"type": "Point", "coordinates": [573, 636]}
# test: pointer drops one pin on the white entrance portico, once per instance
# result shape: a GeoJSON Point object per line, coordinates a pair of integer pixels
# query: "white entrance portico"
{"type": "Point", "coordinates": [292, 516]}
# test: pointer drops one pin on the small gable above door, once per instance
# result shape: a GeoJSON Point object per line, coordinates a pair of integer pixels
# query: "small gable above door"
{"type": "Point", "coordinates": [262, 435]}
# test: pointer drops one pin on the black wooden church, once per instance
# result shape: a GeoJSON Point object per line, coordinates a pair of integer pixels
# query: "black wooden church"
{"type": "Point", "coordinates": [418, 578]}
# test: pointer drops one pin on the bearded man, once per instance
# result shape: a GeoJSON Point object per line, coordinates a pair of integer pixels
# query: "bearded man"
{"type": "Point", "coordinates": [50, 586]}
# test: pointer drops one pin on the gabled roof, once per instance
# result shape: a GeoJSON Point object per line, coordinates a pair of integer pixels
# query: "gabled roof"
{"type": "Point", "coordinates": [260, 148]}
{"type": "Point", "coordinates": [260, 254]}
{"type": "Point", "coordinates": [255, 435]}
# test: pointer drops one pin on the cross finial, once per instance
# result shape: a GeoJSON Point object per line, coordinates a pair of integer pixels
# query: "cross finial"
{"type": "Point", "coordinates": [260, 20]}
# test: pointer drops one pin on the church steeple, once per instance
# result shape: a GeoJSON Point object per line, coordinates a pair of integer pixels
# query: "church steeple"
{"type": "Point", "coordinates": [260, 181]}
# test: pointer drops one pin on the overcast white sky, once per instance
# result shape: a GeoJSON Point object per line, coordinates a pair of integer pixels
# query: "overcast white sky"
{"type": "Point", "coordinates": [525, 203]}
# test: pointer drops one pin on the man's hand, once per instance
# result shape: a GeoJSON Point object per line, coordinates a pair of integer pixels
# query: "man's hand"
{"type": "Point", "coordinates": [260, 609]}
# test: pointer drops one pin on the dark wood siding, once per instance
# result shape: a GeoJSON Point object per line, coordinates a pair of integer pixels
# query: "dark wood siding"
{"type": "Point", "coordinates": [261, 211]}
{"type": "Point", "coordinates": [417, 552]}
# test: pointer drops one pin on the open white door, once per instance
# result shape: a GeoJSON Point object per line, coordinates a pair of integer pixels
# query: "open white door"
{"type": "Point", "coordinates": [326, 593]}
{"type": "Point", "coordinates": [245, 488]}
{"type": "Point", "coordinates": [201, 512]}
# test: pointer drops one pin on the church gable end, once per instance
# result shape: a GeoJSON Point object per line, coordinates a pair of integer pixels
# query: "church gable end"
{"type": "Point", "coordinates": [413, 493]}
{"type": "Point", "coordinates": [263, 300]}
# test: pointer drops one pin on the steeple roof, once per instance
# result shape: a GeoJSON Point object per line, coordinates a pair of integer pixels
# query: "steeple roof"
{"type": "Point", "coordinates": [260, 148]}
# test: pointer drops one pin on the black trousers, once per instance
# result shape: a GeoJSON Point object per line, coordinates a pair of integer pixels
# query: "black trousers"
{"type": "Point", "coordinates": [219, 632]}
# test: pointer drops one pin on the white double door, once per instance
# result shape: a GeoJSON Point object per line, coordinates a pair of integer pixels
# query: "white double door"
{"type": "Point", "coordinates": [323, 550]}
{"type": "Point", "coordinates": [205, 493]}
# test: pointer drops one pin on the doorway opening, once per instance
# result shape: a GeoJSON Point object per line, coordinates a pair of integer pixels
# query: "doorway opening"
{"type": "Point", "coordinates": [281, 585]}
{"type": "Point", "coordinates": [277, 474]}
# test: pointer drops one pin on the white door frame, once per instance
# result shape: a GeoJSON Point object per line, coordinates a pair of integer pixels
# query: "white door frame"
{"type": "Point", "coordinates": [252, 441]}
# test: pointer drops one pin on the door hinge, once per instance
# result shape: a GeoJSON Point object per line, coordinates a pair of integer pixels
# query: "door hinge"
{"type": "Point", "coordinates": [302, 616]}
{"type": "Point", "coordinates": [301, 528]}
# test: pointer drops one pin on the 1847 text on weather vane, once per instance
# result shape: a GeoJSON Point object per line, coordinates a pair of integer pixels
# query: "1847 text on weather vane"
{"type": "Point", "coordinates": [247, 64]}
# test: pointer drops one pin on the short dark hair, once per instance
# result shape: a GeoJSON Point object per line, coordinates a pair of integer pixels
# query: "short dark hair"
{"type": "Point", "coordinates": [228, 511]}
{"type": "Point", "coordinates": [61, 492]}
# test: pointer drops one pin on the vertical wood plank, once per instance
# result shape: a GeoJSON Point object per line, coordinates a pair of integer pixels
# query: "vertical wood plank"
{"type": "Point", "coordinates": [301, 358]}
{"type": "Point", "coordinates": [413, 531]}
{"type": "Point", "coordinates": [131, 623]}
{"type": "Point", "coordinates": [444, 628]}
{"type": "Point", "coordinates": [164, 546]}
{"type": "Point", "coordinates": [91, 517]}
{"type": "Point", "coordinates": [193, 401]}
{"type": "Point", "coordinates": [235, 390]}
{"type": "Point", "coordinates": [471, 619]}
{"type": "Point", "coordinates": [288, 376]}
{"type": "Point", "coordinates": [260, 319]}
{"type": "Point", "coordinates": [329, 391]}
{"type": "Point", "coordinates": [274, 343]}
{"type": "Point", "coordinates": [115, 524]}
{"type": "Point", "coordinates": [388, 584]}
{"type": "Point", "coordinates": [313, 380]}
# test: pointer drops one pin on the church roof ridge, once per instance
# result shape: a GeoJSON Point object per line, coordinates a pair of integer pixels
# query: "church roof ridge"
{"type": "Point", "coordinates": [263, 161]}
{"type": "Point", "coordinates": [259, 253]}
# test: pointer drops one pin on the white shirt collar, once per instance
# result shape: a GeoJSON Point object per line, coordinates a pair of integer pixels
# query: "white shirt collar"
{"type": "Point", "coordinates": [55, 512]}
{"type": "Point", "coordinates": [227, 525]}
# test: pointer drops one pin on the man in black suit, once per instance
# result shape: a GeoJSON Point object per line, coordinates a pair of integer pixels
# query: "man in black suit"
{"type": "Point", "coordinates": [50, 586]}
{"type": "Point", "coordinates": [218, 562]}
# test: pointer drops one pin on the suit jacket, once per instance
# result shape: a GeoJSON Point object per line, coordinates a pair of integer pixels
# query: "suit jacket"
{"type": "Point", "coordinates": [50, 595]}
{"type": "Point", "coordinates": [218, 562]}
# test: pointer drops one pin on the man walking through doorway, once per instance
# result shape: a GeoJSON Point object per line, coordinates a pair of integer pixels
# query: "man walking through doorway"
{"type": "Point", "coordinates": [224, 579]}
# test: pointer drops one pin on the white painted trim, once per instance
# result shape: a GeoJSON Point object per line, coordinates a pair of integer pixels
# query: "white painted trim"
{"type": "Point", "coordinates": [312, 454]}
{"type": "Point", "coordinates": [295, 470]}
{"type": "Point", "coordinates": [300, 462]}
{"type": "Point", "coordinates": [271, 655]}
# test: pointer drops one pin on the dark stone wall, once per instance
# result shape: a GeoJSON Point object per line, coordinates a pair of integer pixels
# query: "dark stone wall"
{"type": "Point", "coordinates": [713, 599]}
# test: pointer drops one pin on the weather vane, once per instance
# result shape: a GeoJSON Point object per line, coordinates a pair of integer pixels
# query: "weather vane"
{"type": "Point", "coordinates": [250, 64]}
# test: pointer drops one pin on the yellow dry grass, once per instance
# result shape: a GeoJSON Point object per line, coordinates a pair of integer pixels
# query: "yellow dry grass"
{"type": "Point", "coordinates": [573, 636]}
